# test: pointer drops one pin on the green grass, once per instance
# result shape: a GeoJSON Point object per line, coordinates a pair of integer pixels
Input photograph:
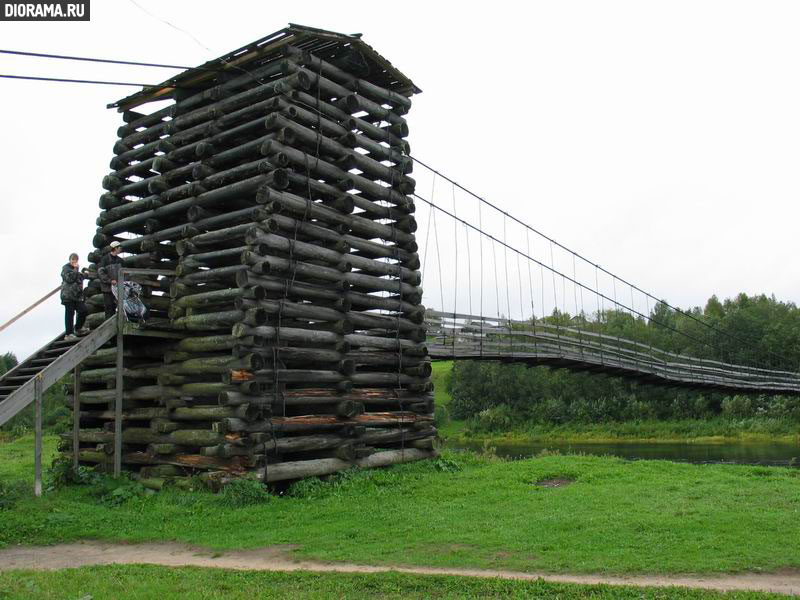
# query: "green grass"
{"type": "Point", "coordinates": [717, 430]}
{"type": "Point", "coordinates": [16, 457]}
{"type": "Point", "coordinates": [441, 372]}
{"type": "Point", "coordinates": [459, 511]}
{"type": "Point", "coordinates": [139, 582]}
{"type": "Point", "coordinates": [448, 427]}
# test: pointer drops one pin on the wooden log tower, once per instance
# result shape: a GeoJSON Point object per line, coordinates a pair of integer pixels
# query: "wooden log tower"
{"type": "Point", "coordinates": [274, 183]}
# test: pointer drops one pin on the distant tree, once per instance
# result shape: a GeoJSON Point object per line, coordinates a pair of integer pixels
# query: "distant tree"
{"type": "Point", "coordinates": [7, 362]}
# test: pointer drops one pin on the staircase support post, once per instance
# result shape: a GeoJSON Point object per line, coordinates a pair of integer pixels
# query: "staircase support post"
{"type": "Point", "coordinates": [76, 417]}
{"type": "Point", "coordinates": [37, 398]}
{"type": "Point", "coordinates": [118, 400]}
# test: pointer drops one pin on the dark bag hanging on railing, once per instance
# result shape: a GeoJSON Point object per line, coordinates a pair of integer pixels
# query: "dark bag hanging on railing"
{"type": "Point", "coordinates": [134, 308]}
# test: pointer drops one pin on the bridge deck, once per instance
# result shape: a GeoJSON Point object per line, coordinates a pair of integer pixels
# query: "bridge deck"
{"type": "Point", "coordinates": [469, 337]}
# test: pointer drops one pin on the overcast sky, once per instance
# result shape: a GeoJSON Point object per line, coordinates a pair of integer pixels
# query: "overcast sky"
{"type": "Point", "coordinates": [660, 139]}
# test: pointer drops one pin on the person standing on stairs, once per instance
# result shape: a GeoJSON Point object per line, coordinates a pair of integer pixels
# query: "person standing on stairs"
{"type": "Point", "coordinates": [108, 272]}
{"type": "Point", "coordinates": [72, 299]}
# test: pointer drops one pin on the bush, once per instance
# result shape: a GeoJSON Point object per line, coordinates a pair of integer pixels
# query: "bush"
{"type": "Point", "coordinates": [639, 410]}
{"type": "Point", "coordinates": [7, 362]}
{"type": "Point", "coordinates": [553, 410]}
{"type": "Point", "coordinates": [61, 474]}
{"type": "Point", "coordinates": [786, 407]}
{"type": "Point", "coordinates": [9, 494]}
{"type": "Point", "coordinates": [497, 418]}
{"type": "Point", "coordinates": [446, 464]}
{"type": "Point", "coordinates": [106, 490]}
{"type": "Point", "coordinates": [308, 488]}
{"type": "Point", "coordinates": [244, 492]}
{"type": "Point", "coordinates": [737, 407]}
{"type": "Point", "coordinates": [702, 408]}
{"type": "Point", "coordinates": [441, 415]}
{"type": "Point", "coordinates": [115, 492]}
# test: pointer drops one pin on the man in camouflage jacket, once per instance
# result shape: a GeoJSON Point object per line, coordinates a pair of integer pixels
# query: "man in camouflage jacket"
{"type": "Point", "coordinates": [72, 298]}
{"type": "Point", "coordinates": [108, 273]}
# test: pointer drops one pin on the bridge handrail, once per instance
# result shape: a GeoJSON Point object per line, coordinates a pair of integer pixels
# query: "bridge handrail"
{"type": "Point", "coordinates": [580, 332]}
{"type": "Point", "coordinates": [650, 358]}
{"type": "Point", "coordinates": [557, 348]}
{"type": "Point", "coordinates": [619, 353]}
{"type": "Point", "coordinates": [574, 345]}
{"type": "Point", "coordinates": [669, 375]}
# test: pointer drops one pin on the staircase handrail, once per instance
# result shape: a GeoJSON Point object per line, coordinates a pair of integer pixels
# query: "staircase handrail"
{"type": "Point", "coordinates": [29, 309]}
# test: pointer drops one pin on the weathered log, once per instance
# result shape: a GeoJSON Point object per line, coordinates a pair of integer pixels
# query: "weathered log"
{"type": "Point", "coordinates": [208, 343]}
{"type": "Point", "coordinates": [345, 202]}
{"type": "Point", "coordinates": [305, 250]}
{"type": "Point", "coordinates": [306, 376]}
{"type": "Point", "coordinates": [213, 258]}
{"type": "Point", "coordinates": [319, 142]}
{"type": "Point", "coordinates": [272, 242]}
{"type": "Point", "coordinates": [144, 392]}
{"type": "Point", "coordinates": [326, 466]}
{"type": "Point", "coordinates": [216, 298]}
{"type": "Point", "coordinates": [218, 275]}
{"type": "Point", "coordinates": [226, 450]}
{"type": "Point", "coordinates": [279, 201]}
{"type": "Point", "coordinates": [291, 289]}
{"type": "Point", "coordinates": [247, 412]}
{"type": "Point", "coordinates": [289, 309]}
{"type": "Point", "coordinates": [328, 170]}
{"type": "Point", "coordinates": [130, 138]}
{"type": "Point", "coordinates": [156, 449]}
{"type": "Point", "coordinates": [265, 265]}
{"type": "Point", "coordinates": [221, 320]}
{"type": "Point", "coordinates": [344, 132]}
{"type": "Point", "coordinates": [370, 130]}
{"type": "Point", "coordinates": [320, 422]}
{"type": "Point", "coordinates": [322, 67]}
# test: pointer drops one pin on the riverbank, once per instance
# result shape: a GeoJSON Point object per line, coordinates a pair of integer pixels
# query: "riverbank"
{"type": "Point", "coordinates": [712, 431]}
{"type": "Point", "coordinates": [558, 514]}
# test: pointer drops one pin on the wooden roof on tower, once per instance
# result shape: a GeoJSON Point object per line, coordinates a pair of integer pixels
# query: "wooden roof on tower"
{"type": "Point", "coordinates": [347, 51]}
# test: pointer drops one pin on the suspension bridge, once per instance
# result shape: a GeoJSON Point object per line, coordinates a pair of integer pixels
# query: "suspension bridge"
{"type": "Point", "coordinates": [521, 280]}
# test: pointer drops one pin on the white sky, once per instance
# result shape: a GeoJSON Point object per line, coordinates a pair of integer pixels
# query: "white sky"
{"type": "Point", "coordinates": [659, 139]}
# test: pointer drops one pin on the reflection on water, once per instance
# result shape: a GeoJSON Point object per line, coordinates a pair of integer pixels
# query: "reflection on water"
{"type": "Point", "coordinates": [775, 454]}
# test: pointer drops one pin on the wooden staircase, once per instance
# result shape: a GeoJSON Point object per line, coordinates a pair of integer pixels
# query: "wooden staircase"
{"type": "Point", "coordinates": [18, 387]}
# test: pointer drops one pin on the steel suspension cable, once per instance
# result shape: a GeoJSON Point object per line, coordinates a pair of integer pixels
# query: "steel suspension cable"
{"type": "Point", "coordinates": [480, 251]}
{"type": "Point", "coordinates": [508, 286]}
{"type": "Point", "coordinates": [455, 270]}
{"type": "Point", "coordinates": [583, 258]}
{"type": "Point", "coordinates": [544, 266]}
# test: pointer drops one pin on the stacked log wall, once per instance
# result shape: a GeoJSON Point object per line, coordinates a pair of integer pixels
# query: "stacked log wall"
{"type": "Point", "coordinates": [281, 200]}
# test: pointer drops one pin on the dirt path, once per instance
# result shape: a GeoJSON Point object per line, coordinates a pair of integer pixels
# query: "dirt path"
{"type": "Point", "coordinates": [278, 558]}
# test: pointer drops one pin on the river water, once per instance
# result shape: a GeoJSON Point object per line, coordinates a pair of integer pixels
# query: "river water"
{"type": "Point", "coordinates": [772, 454]}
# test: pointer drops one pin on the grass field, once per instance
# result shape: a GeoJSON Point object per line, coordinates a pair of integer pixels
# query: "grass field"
{"type": "Point", "coordinates": [716, 430]}
{"type": "Point", "coordinates": [140, 582]}
{"type": "Point", "coordinates": [458, 511]}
